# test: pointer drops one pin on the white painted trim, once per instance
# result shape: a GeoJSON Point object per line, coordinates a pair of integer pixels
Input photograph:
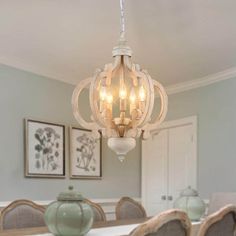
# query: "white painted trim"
{"type": "Point", "coordinates": [178, 122]}
{"type": "Point", "coordinates": [16, 63]}
{"type": "Point", "coordinates": [110, 201]}
{"type": "Point", "coordinates": [172, 89]}
{"type": "Point", "coordinates": [106, 201]}
{"type": "Point", "coordinates": [44, 203]}
{"type": "Point", "coordinates": [201, 82]}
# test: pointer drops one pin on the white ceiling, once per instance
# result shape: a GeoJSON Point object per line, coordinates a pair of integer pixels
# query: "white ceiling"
{"type": "Point", "coordinates": [175, 41]}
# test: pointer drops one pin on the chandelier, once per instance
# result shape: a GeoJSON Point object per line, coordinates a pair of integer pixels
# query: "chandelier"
{"type": "Point", "coordinates": [121, 100]}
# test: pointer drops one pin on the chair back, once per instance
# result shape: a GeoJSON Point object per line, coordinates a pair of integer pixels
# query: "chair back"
{"type": "Point", "coordinates": [168, 223]}
{"type": "Point", "coordinates": [221, 223]}
{"type": "Point", "coordinates": [98, 213]}
{"type": "Point", "coordinates": [219, 200]}
{"type": "Point", "coordinates": [22, 214]}
{"type": "Point", "coordinates": [127, 208]}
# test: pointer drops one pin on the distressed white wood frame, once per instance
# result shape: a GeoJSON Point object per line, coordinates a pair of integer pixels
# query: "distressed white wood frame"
{"type": "Point", "coordinates": [109, 128]}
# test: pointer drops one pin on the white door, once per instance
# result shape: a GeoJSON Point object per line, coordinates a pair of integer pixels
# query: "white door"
{"type": "Point", "coordinates": [155, 169]}
{"type": "Point", "coordinates": [182, 161]}
{"type": "Point", "coordinates": [168, 164]}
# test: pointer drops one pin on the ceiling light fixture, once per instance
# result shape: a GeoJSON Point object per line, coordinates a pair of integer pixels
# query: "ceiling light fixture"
{"type": "Point", "coordinates": [121, 99]}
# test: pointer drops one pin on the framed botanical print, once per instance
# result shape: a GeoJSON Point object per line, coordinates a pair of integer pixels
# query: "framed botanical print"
{"type": "Point", "coordinates": [85, 154]}
{"type": "Point", "coordinates": [44, 149]}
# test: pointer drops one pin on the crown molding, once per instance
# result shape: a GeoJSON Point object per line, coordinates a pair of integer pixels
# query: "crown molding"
{"type": "Point", "coordinates": [16, 63]}
{"type": "Point", "coordinates": [171, 89]}
{"type": "Point", "coordinates": [201, 82]}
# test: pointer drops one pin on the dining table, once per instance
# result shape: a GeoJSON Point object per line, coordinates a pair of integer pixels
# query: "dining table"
{"type": "Point", "coordinates": [108, 228]}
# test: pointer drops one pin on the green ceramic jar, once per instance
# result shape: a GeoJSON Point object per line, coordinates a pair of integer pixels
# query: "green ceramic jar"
{"type": "Point", "coordinates": [69, 215]}
{"type": "Point", "coordinates": [191, 203]}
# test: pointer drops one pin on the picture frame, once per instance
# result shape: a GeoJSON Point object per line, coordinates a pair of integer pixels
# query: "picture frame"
{"type": "Point", "coordinates": [85, 154]}
{"type": "Point", "coordinates": [44, 149]}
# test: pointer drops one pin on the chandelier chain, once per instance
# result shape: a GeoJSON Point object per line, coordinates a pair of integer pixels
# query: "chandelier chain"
{"type": "Point", "coordinates": [122, 19]}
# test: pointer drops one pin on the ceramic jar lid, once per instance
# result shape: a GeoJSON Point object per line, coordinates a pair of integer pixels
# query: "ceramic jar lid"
{"type": "Point", "coordinates": [189, 192]}
{"type": "Point", "coordinates": [70, 195]}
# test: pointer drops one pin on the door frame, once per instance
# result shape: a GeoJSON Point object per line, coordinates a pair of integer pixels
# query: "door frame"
{"type": "Point", "coordinates": [191, 120]}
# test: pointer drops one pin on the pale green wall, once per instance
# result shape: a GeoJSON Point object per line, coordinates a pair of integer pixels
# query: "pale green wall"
{"type": "Point", "coordinates": [23, 95]}
{"type": "Point", "coordinates": [215, 106]}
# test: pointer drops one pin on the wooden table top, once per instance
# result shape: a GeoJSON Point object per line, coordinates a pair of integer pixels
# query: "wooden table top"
{"type": "Point", "coordinates": [42, 230]}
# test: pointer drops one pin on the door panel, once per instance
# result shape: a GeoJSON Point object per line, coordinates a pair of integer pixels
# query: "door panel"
{"type": "Point", "coordinates": [181, 160]}
{"type": "Point", "coordinates": [169, 164]}
{"type": "Point", "coordinates": [155, 165]}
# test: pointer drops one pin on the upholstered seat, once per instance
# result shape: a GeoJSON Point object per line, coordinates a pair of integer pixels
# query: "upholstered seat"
{"type": "Point", "coordinates": [22, 214]}
{"type": "Point", "coordinates": [127, 208]}
{"type": "Point", "coordinates": [169, 223]}
{"type": "Point", "coordinates": [221, 223]}
{"type": "Point", "coordinates": [99, 214]}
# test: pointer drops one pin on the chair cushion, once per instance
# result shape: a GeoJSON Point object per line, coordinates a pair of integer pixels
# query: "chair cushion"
{"type": "Point", "coordinates": [128, 210]}
{"type": "Point", "coordinates": [225, 227]}
{"type": "Point", "coordinates": [172, 228]}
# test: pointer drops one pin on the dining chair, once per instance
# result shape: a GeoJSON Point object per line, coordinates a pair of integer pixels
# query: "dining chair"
{"type": "Point", "coordinates": [219, 200]}
{"type": "Point", "coordinates": [128, 208]}
{"type": "Point", "coordinates": [220, 223]}
{"type": "Point", "coordinates": [169, 223]}
{"type": "Point", "coordinates": [98, 213]}
{"type": "Point", "coordinates": [22, 214]}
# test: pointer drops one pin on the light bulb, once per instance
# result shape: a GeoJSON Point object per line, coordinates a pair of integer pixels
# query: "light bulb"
{"type": "Point", "coordinates": [122, 92]}
{"type": "Point", "coordinates": [109, 98]}
{"type": "Point", "coordinates": [103, 93]}
{"type": "Point", "coordinates": [142, 94]}
{"type": "Point", "coordinates": [132, 96]}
